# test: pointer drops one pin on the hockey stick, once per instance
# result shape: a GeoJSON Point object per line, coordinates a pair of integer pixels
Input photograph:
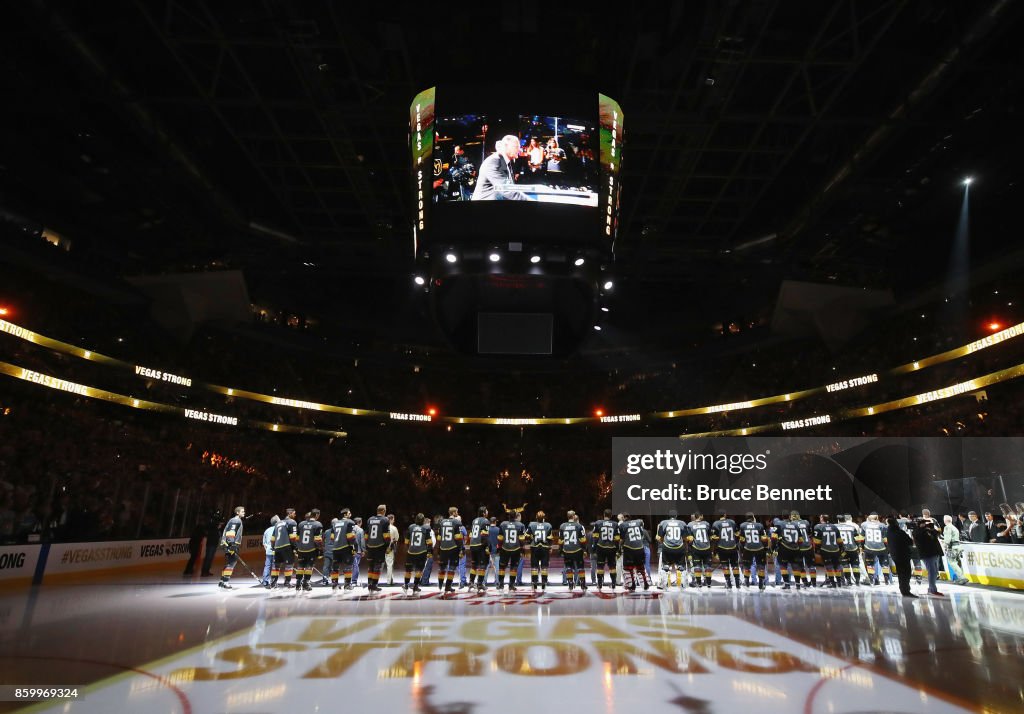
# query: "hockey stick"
{"type": "Point", "coordinates": [248, 569]}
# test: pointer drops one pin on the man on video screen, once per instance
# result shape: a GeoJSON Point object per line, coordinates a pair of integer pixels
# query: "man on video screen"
{"type": "Point", "coordinates": [495, 181]}
{"type": "Point", "coordinates": [462, 174]}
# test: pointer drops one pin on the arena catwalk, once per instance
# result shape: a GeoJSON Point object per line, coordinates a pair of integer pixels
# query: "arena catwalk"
{"type": "Point", "coordinates": [161, 645]}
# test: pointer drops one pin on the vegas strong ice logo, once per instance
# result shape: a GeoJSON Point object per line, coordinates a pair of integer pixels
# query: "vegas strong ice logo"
{"type": "Point", "coordinates": [457, 663]}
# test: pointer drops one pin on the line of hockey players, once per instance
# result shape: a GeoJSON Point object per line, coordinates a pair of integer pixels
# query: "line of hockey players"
{"type": "Point", "coordinates": [687, 550]}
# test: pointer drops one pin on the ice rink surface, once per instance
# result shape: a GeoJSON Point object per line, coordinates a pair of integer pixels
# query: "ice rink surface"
{"type": "Point", "coordinates": [159, 645]}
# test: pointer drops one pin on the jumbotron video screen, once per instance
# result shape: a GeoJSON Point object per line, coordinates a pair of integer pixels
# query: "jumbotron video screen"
{"type": "Point", "coordinates": [548, 159]}
{"type": "Point", "coordinates": [552, 162]}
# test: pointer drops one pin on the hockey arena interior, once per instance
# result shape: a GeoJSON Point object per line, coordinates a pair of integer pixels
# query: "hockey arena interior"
{"type": "Point", "coordinates": [657, 358]}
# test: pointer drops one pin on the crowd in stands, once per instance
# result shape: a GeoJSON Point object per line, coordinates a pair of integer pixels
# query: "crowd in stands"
{"type": "Point", "coordinates": [72, 468]}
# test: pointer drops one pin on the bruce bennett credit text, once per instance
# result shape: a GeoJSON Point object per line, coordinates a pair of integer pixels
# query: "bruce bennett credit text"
{"type": "Point", "coordinates": [761, 492]}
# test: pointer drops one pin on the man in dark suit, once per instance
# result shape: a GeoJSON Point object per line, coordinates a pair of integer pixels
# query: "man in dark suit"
{"type": "Point", "coordinates": [992, 528]}
{"type": "Point", "coordinates": [976, 531]}
{"type": "Point", "coordinates": [195, 544]}
{"type": "Point", "coordinates": [926, 538]}
{"type": "Point", "coordinates": [214, 528]}
{"type": "Point", "coordinates": [495, 181]}
{"type": "Point", "coordinates": [899, 550]}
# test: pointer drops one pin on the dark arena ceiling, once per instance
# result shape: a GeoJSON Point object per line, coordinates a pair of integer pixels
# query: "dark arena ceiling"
{"type": "Point", "coordinates": [765, 140]}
